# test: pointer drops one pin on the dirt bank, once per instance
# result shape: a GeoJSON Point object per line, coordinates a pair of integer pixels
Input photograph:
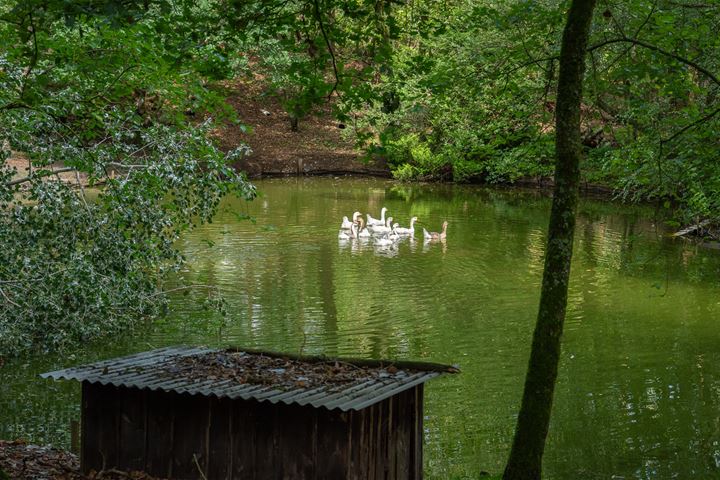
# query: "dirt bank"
{"type": "Point", "coordinates": [317, 148]}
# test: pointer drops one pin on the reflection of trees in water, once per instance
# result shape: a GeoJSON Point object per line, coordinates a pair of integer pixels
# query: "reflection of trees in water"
{"type": "Point", "coordinates": [657, 407]}
{"type": "Point", "coordinates": [634, 366]}
{"type": "Point", "coordinates": [473, 304]}
{"type": "Point", "coordinates": [327, 294]}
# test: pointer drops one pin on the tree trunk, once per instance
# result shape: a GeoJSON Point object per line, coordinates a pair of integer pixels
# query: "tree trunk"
{"type": "Point", "coordinates": [525, 460]}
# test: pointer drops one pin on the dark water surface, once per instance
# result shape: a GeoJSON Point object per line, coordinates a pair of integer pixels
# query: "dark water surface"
{"type": "Point", "coordinates": [639, 386]}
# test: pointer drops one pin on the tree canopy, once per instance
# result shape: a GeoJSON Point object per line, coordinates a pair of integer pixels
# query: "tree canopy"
{"type": "Point", "coordinates": [126, 94]}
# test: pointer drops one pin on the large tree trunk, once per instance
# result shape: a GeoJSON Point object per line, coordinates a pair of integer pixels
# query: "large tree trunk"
{"type": "Point", "coordinates": [525, 462]}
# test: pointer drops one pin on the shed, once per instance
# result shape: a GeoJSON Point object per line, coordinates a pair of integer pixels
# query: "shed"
{"type": "Point", "coordinates": [201, 413]}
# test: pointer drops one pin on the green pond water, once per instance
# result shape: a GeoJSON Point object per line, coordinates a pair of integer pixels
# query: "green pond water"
{"type": "Point", "coordinates": [638, 393]}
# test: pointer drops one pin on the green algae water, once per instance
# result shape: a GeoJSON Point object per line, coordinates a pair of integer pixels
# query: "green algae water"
{"type": "Point", "coordinates": [638, 394]}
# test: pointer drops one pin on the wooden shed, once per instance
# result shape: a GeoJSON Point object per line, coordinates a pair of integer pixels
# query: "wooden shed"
{"type": "Point", "coordinates": [200, 413]}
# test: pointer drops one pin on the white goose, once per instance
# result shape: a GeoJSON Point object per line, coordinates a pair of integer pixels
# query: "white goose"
{"type": "Point", "coordinates": [406, 231]}
{"type": "Point", "coordinates": [374, 221]}
{"type": "Point", "coordinates": [364, 232]}
{"type": "Point", "coordinates": [434, 235]}
{"type": "Point", "coordinates": [346, 224]}
{"type": "Point", "coordinates": [393, 235]}
{"type": "Point", "coordinates": [347, 236]}
{"type": "Point", "coordinates": [384, 242]}
{"type": "Point", "coordinates": [382, 229]}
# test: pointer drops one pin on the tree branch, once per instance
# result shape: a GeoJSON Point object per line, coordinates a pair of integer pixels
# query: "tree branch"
{"type": "Point", "coordinates": [115, 80]}
{"type": "Point", "coordinates": [186, 287]}
{"type": "Point", "coordinates": [25, 106]}
{"type": "Point", "coordinates": [15, 105]}
{"type": "Point", "coordinates": [2, 292]}
{"type": "Point", "coordinates": [637, 32]}
{"type": "Point", "coordinates": [693, 5]}
{"type": "Point", "coordinates": [329, 47]}
{"type": "Point", "coordinates": [690, 125]}
{"type": "Point", "coordinates": [636, 42]}
{"type": "Point", "coordinates": [34, 59]}
{"type": "Point", "coordinates": [655, 48]}
{"type": "Point", "coordinates": [534, 61]}
{"type": "Point", "coordinates": [30, 177]}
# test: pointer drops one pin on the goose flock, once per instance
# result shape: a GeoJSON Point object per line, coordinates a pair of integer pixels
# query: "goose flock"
{"type": "Point", "coordinates": [383, 231]}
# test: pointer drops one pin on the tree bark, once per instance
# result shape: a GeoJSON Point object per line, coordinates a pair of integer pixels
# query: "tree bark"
{"type": "Point", "coordinates": [525, 462]}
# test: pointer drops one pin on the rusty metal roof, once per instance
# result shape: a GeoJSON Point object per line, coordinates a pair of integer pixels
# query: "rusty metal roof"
{"type": "Point", "coordinates": [147, 371]}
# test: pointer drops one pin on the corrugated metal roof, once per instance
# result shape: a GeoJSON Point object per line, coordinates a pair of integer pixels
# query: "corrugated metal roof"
{"type": "Point", "coordinates": [148, 370]}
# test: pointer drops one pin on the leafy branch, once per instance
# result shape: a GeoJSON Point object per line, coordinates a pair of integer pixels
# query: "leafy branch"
{"type": "Point", "coordinates": [39, 174]}
{"type": "Point", "coordinates": [659, 50]}
{"type": "Point", "coordinates": [689, 126]}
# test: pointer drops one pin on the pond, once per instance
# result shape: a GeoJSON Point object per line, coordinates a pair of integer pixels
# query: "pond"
{"type": "Point", "coordinates": [638, 393]}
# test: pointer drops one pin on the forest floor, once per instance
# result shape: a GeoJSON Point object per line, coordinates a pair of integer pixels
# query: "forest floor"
{"type": "Point", "coordinates": [22, 461]}
{"type": "Point", "coordinates": [317, 148]}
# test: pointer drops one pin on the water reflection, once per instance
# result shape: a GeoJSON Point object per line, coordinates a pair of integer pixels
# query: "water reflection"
{"type": "Point", "coordinates": [406, 244]}
{"type": "Point", "coordinates": [639, 384]}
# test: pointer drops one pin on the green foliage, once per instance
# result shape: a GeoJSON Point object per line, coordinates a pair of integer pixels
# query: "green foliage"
{"type": "Point", "coordinates": [297, 79]}
{"type": "Point", "coordinates": [121, 91]}
{"type": "Point", "coordinates": [475, 83]}
{"type": "Point", "coordinates": [116, 100]}
{"type": "Point", "coordinates": [472, 123]}
{"type": "Point", "coordinates": [412, 159]}
{"type": "Point", "coordinates": [311, 51]}
{"type": "Point", "coordinates": [76, 268]}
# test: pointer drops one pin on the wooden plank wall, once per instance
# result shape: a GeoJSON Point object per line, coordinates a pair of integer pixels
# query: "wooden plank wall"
{"type": "Point", "coordinates": [179, 436]}
{"type": "Point", "coordinates": [386, 439]}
